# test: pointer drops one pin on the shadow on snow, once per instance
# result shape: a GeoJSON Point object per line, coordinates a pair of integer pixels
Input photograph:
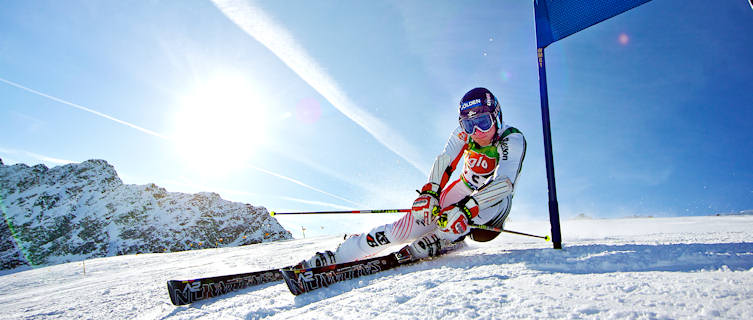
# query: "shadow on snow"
{"type": "Point", "coordinates": [582, 259]}
{"type": "Point", "coordinates": [632, 258]}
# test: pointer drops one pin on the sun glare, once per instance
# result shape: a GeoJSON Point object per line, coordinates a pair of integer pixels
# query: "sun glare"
{"type": "Point", "coordinates": [220, 125]}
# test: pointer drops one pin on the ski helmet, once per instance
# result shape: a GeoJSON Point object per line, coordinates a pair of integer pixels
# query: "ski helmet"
{"type": "Point", "coordinates": [480, 100]}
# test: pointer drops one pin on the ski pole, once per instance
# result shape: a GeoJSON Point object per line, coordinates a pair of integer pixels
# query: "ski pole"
{"type": "Point", "coordinates": [273, 213]}
{"type": "Point", "coordinates": [482, 227]}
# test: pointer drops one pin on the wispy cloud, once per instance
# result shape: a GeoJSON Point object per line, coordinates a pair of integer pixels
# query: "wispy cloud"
{"type": "Point", "coordinates": [194, 187]}
{"type": "Point", "coordinates": [80, 107]}
{"type": "Point", "coordinates": [147, 131]}
{"type": "Point", "coordinates": [32, 124]}
{"type": "Point", "coordinates": [277, 39]}
{"type": "Point", "coordinates": [304, 185]}
{"type": "Point", "coordinates": [36, 156]}
{"type": "Point", "coordinates": [318, 203]}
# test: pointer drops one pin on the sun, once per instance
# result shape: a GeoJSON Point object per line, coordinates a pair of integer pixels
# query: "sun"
{"type": "Point", "coordinates": [220, 125]}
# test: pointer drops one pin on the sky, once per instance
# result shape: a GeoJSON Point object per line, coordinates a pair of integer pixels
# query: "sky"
{"type": "Point", "coordinates": [331, 105]}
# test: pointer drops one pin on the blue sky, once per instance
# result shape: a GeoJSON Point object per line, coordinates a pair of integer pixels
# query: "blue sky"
{"type": "Point", "coordinates": [303, 105]}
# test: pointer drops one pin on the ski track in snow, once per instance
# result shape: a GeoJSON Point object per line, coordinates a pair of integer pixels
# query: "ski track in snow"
{"type": "Point", "coordinates": [648, 268]}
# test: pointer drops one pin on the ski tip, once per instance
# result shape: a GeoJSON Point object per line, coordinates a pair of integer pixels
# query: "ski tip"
{"type": "Point", "coordinates": [272, 213]}
{"type": "Point", "coordinates": [548, 238]}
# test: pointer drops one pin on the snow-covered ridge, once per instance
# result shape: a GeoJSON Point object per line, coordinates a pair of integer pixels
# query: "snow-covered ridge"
{"type": "Point", "coordinates": [79, 211]}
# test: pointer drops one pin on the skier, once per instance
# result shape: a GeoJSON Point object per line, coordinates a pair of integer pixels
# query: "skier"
{"type": "Point", "coordinates": [443, 212]}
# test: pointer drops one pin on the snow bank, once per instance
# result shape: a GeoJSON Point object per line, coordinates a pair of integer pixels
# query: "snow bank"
{"type": "Point", "coordinates": [678, 268]}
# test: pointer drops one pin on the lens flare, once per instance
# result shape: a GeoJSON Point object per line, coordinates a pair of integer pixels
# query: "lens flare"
{"type": "Point", "coordinates": [506, 76]}
{"type": "Point", "coordinates": [308, 110]}
{"type": "Point", "coordinates": [25, 257]}
{"type": "Point", "coordinates": [623, 39]}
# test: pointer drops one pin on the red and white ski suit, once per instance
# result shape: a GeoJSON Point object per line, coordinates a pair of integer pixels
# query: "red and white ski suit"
{"type": "Point", "coordinates": [488, 175]}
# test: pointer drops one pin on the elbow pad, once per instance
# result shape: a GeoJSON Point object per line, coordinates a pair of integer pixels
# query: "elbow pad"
{"type": "Point", "coordinates": [439, 168]}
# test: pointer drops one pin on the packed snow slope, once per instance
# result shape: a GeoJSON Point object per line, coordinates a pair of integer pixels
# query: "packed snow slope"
{"type": "Point", "coordinates": [642, 268]}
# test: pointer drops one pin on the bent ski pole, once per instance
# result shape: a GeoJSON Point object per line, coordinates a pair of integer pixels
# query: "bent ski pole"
{"type": "Point", "coordinates": [273, 213]}
{"type": "Point", "coordinates": [482, 227]}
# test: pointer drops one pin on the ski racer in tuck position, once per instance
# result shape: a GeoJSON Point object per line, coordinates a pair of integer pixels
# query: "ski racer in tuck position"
{"type": "Point", "coordinates": [443, 212]}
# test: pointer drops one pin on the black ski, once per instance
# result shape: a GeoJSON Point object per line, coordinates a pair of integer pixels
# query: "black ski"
{"type": "Point", "coordinates": [304, 280]}
{"type": "Point", "coordinates": [184, 292]}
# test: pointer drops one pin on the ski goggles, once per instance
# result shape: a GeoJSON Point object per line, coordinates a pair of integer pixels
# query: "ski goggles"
{"type": "Point", "coordinates": [483, 122]}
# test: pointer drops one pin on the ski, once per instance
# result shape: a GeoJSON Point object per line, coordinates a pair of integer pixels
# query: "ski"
{"type": "Point", "coordinates": [305, 280]}
{"type": "Point", "coordinates": [184, 292]}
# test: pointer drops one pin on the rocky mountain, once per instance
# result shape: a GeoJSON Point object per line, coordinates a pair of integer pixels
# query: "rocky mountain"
{"type": "Point", "coordinates": [80, 211]}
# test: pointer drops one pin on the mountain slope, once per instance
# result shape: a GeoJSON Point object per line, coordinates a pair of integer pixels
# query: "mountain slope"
{"type": "Point", "coordinates": [80, 211]}
{"type": "Point", "coordinates": [648, 268]}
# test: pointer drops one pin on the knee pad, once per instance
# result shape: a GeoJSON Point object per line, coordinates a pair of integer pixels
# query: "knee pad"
{"type": "Point", "coordinates": [480, 235]}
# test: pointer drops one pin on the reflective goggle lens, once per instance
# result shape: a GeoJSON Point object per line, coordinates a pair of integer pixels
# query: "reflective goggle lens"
{"type": "Point", "coordinates": [483, 122]}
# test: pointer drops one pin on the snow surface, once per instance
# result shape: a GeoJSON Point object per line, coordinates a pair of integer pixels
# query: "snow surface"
{"type": "Point", "coordinates": [640, 268]}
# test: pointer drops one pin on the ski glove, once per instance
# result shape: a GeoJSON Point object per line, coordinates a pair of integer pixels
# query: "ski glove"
{"type": "Point", "coordinates": [454, 221]}
{"type": "Point", "coordinates": [426, 206]}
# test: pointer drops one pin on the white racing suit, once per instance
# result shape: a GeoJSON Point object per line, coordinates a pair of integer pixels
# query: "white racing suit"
{"type": "Point", "coordinates": [488, 175]}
